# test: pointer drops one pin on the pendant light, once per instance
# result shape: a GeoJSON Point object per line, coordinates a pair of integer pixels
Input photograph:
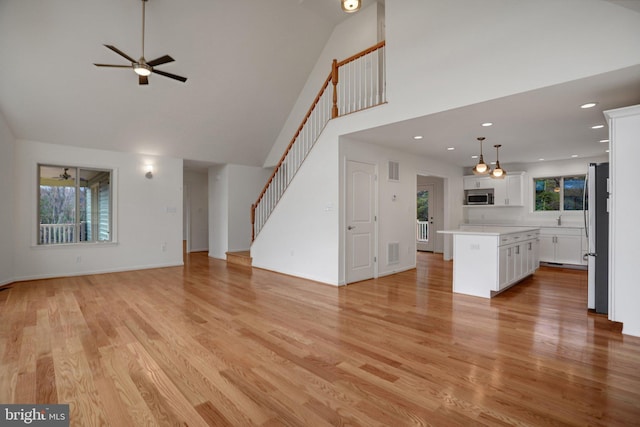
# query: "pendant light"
{"type": "Point", "coordinates": [498, 172]}
{"type": "Point", "coordinates": [350, 6]}
{"type": "Point", "coordinates": [481, 168]}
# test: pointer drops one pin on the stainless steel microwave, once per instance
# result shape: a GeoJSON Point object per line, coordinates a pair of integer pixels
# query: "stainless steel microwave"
{"type": "Point", "coordinates": [479, 199]}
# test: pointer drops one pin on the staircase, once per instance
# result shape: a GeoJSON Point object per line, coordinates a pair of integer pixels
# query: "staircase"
{"type": "Point", "coordinates": [354, 84]}
{"type": "Point", "coordinates": [239, 258]}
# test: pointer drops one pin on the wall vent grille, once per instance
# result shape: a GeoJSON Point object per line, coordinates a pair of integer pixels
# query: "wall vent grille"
{"type": "Point", "coordinates": [394, 171]}
{"type": "Point", "coordinates": [393, 253]}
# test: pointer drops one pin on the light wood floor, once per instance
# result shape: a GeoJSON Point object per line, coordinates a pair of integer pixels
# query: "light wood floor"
{"type": "Point", "coordinates": [213, 344]}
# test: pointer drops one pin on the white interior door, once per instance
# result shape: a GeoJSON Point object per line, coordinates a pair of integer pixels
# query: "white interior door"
{"type": "Point", "coordinates": [360, 221]}
{"type": "Point", "coordinates": [425, 232]}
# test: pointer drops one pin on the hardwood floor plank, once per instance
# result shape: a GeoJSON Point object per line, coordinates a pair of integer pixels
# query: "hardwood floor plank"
{"type": "Point", "coordinates": [214, 344]}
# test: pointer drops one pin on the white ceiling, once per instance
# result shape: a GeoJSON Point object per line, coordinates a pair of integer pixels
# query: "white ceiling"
{"type": "Point", "coordinates": [246, 62]}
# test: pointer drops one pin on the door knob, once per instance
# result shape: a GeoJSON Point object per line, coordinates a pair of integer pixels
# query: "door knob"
{"type": "Point", "coordinates": [351, 227]}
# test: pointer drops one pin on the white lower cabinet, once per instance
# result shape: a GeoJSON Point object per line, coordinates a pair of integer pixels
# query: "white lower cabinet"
{"type": "Point", "coordinates": [517, 258]}
{"type": "Point", "coordinates": [561, 245]}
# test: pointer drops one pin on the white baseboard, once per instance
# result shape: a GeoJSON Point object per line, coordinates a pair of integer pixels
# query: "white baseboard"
{"type": "Point", "coordinates": [389, 273]}
{"type": "Point", "coordinates": [88, 273]}
{"type": "Point", "coordinates": [199, 250]}
{"type": "Point", "coordinates": [7, 281]}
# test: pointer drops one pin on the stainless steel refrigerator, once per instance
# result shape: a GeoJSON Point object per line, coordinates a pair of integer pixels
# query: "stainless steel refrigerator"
{"type": "Point", "coordinates": [597, 230]}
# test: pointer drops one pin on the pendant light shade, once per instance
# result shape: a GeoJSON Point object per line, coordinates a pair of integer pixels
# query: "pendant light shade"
{"type": "Point", "coordinates": [498, 172]}
{"type": "Point", "coordinates": [350, 6]}
{"type": "Point", "coordinates": [481, 168]}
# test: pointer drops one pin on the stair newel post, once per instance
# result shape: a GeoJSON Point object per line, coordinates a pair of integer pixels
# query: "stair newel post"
{"type": "Point", "coordinates": [253, 222]}
{"type": "Point", "coordinates": [334, 80]}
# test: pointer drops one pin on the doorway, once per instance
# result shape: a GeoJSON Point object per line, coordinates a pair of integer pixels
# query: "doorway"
{"type": "Point", "coordinates": [425, 203]}
{"type": "Point", "coordinates": [429, 213]}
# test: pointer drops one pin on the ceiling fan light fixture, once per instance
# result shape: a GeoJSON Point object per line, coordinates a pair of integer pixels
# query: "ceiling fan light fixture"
{"type": "Point", "coordinates": [142, 69]}
{"type": "Point", "coordinates": [350, 6]}
{"type": "Point", "coordinates": [481, 168]}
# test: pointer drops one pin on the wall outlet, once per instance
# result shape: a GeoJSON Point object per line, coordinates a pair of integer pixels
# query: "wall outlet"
{"type": "Point", "coordinates": [78, 259]}
{"type": "Point", "coordinates": [163, 246]}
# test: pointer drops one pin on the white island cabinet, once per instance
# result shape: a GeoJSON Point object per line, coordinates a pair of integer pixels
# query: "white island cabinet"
{"type": "Point", "coordinates": [488, 260]}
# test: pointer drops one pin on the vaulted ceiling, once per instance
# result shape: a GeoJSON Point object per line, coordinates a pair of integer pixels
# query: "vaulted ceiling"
{"type": "Point", "coordinates": [246, 62]}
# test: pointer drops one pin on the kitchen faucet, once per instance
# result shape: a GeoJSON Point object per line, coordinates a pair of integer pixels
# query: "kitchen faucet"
{"type": "Point", "coordinates": [559, 220]}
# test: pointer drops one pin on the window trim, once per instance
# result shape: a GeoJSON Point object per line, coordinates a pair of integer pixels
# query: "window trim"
{"type": "Point", "coordinates": [113, 171]}
{"type": "Point", "coordinates": [562, 177]}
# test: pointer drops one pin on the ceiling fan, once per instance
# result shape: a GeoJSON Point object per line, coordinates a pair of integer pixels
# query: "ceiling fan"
{"type": "Point", "coordinates": [64, 176]}
{"type": "Point", "coordinates": [142, 67]}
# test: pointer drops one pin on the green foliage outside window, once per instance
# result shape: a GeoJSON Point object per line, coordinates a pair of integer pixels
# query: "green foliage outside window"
{"type": "Point", "coordinates": [553, 193]}
{"type": "Point", "coordinates": [423, 206]}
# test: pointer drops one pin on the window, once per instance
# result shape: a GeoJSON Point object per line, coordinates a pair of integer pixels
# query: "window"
{"type": "Point", "coordinates": [74, 205]}
{"type": "Point", "coordinates": [559, 193]}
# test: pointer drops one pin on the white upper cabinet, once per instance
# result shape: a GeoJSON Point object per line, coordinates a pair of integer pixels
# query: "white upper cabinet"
{"type": "Point", "coordinates": [508, 191]}
{"type": "Point", "coordinates": [474, 182]}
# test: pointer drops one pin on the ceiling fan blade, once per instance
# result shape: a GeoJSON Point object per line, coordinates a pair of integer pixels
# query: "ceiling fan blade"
{"type": "Point", "coordinates": [160, 61]}
{"type": "Point", "coordinates": [119, 52]}
{"type": "Point", "coordinates": [112, 65]}
{"type": "Point", "coordinates": [143, 80]}
{"type": "Point", "coordinates": [171, 76]}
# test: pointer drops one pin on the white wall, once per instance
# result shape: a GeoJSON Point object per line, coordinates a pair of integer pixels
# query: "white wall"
{"type": "Point", "coordinates": [7, 205]}
{"type": "Point", "coordinates": [447, 54]}
{"type": "Point", "coordinates": [397, 215]}
{"type": "Point", "coordinates": [197, 185]}
{"type": "Point", "coordinates": [525, 215]}
{"type": "Point", "coordinates": [301, 236]}
{"type": "Point", "coordinates": [356, 33]}
{"type": "Point", "coordinates": [624, 134]}
{"type": "Point", "coordinates": [147, 214]}
{"type": "Point", "coordinates": [218, 211]}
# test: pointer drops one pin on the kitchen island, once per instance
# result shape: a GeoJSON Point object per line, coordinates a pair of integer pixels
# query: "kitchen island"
{"type": "Point", "coordinates": [489, 259]}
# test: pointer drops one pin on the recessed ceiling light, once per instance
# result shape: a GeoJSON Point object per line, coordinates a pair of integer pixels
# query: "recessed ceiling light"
{"type": "Point", "coordinates": [606, 151]}
{"type": "Point", "coordinates": [604, 141]}
{"type": "Point", "coordinates": [486, 124]}
{"type": "Point", "coordinates": [417, 137]}
{"type": "Point", "coordinates": [474, 157]}
{"type": "Point", "coordinates": [574, 155]}
{"type": "Point", "coordinates": [451, 148]}
{"type": "Point", "coordinates": [541, 159]}
{"type": "Point", "coordinates": [589, 105]}
{"type": "Point", "coordinates": [493, 163]}
{"type": "Point", "coordinates": [597, 127]}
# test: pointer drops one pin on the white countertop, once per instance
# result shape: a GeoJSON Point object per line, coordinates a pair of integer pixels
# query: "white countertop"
{"type": "Point", "coordinates": [570, 225]}
{"type": "Point", "coordinates": [489, 230]}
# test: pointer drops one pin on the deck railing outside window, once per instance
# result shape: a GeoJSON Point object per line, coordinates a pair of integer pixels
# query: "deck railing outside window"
{"type": "Point", "coordinates": [354, 84]}
{"type": "Point", "coordinates": [51, 234]}
{"type": "Point", "coordinates": [422, 231]}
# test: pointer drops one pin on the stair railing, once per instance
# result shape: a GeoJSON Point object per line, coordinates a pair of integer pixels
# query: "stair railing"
{"type": "Point", "coordinates": [358, 83]}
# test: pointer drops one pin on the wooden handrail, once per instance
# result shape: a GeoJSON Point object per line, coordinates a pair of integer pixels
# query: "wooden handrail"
{"type": "Point", "coordinates": [333, 78]}
{"type": "Point", "coordinates": [361, 54]}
